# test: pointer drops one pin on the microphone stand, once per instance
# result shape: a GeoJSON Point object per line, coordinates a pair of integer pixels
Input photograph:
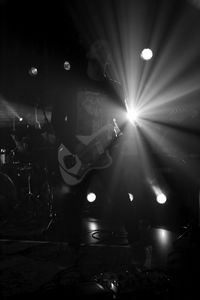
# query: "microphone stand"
{"type": "Point", "coordinates": [51, 211]}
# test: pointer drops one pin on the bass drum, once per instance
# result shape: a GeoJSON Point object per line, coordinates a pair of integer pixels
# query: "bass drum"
{"type": "Point", "coordinates": [8, 196]}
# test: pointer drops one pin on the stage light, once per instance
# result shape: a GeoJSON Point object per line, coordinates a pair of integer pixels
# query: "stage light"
{"type": "Point", "coordinates": [146, 54]}
{"type": "Point", "coordinates": [67, 66]}
{"type": "Point", "coordinates": [130, 196]}
{"type": "Point", "coordinates": [132, 113]}
{"type": "Point", "coordinates": [161, 198]}
{"type": "Point", "coordinates": [20, 119]}
{"type": "Point", "coordinates": [132, 116]}
{"type": "Point", "coordinates": [33, 71]}
{"type": "Point", "coordinates": [91, 197]}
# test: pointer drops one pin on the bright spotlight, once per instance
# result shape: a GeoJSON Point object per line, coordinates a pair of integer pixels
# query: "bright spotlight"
{"type": "Point", "coordinates": [67, 66]}
{"type": "Point", "coordinates": [130, 197]}
{"type": "Point", "coordinates": [132, 113]}
{"type": "Point", "coordinates": [161, 198]}
{"type": "Point", "coordinates": [132, 116]}
{"type": "Point", "coordinates": [33, 71]}
{"type": "Point", "coordinates": [91, 197]}
{"type": "Point", "coordinates": [20, 119]}
{"type": "Point", "coordinates": [146, 54]}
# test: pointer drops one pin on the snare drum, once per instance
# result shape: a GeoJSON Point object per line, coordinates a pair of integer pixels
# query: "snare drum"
{"type": "Point", "coordinates": [16, 185]}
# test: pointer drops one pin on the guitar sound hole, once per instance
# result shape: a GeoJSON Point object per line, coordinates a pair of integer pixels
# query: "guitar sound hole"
{"type": "Point", "coordinates": [69, 161]}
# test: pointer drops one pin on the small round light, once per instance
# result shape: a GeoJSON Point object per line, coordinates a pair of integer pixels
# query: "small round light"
{"type": "Point", "coordinates": [67, 66]}
{"type": "Point", "coordinates": [33, 71]}
{"type": "Point", "coordinates": [146, 54]}
{"type": "Point", "coordinates": [91, 197]}
{"type": "Point", "coordinates": [161, 198]}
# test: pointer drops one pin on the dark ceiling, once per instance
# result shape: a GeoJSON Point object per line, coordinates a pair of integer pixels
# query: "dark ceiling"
{"type": "Point", "coordinates": [45, 34]}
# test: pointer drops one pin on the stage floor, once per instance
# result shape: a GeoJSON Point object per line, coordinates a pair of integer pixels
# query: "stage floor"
{"type": "Point", "coordinates": [36, 260]}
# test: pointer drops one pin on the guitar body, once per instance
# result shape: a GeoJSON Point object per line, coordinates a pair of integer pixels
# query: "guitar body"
{"type": "Point", "coordinates": [73, 169]}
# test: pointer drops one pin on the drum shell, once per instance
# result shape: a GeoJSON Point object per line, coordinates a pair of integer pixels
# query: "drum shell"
{"type": "Point", "coordinates": [8, 195]}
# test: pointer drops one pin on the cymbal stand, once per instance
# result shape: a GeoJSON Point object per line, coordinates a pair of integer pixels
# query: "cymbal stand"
{"type": "Point", "coordinates": [30, 194]}
{"type": "Point", "coordinates": [51, 211]}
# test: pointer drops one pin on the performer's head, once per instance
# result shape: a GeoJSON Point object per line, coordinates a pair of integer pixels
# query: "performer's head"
{"type": "Point", "coordinates": [98, 57]}
{"type": "Point", "coordinates": [99, 50]}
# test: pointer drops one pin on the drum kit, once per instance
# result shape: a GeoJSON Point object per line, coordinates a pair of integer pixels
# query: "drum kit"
{"type": "Point", "coordinates": [25, 186]}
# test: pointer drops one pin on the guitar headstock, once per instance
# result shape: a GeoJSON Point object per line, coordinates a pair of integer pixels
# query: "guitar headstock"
{"type": "Point", "coordinates": [117, 131]}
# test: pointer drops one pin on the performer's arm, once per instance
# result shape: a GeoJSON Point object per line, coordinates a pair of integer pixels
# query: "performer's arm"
{"type": "Point", "coordinates": [63, 121]}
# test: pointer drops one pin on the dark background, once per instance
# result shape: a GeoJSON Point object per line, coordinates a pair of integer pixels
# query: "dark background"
{"type": "Point", "coordinates": [44, 34]}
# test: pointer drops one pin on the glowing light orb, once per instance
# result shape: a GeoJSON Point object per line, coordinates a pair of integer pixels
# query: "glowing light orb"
{"type": "Point", "coordinates": [161, 198]}
{"type": "Point", "coordinates": [91, 197]}
{"type": "Point", "coordinates": [33, 71]}
{"type": "Point", "coordinates": [130, 196]}
{"type": "Point", "coordinates": [132, 116]}
{"type": "Point", "coordinates": [67, 66]}
{"type": "Point", "coordinates": [146, 54]}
